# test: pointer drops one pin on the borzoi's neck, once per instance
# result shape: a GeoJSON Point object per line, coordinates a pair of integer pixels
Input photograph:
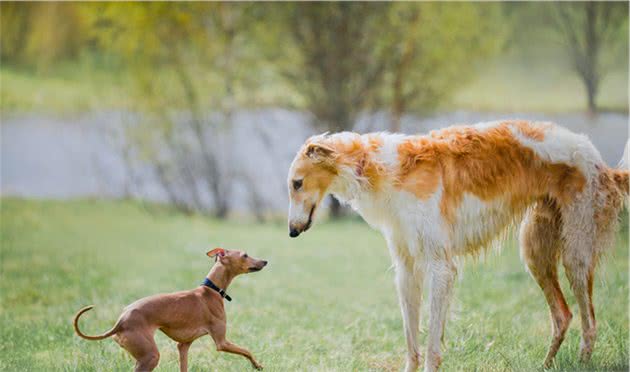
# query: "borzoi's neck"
{"type": "Point", "coordinates": [366, 169]}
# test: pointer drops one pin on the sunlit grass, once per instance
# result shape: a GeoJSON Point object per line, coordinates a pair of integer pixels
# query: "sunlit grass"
{"type": "Point", "coordinates": [70, 90]}
{"type": "Point", "coordinates": [326, 301]}
{"type": "Point", "coordinates": [519, 82]}
{"type": "Point", "coordinates": [540, 81]}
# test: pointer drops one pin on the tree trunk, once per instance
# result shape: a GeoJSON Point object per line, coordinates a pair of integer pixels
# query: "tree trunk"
{"type": "Point", "coordinates": [399, 101]}
{"type": "Point", "coordinates": [398, 104]}
{"type": "Point", "coordinates": [592, 52]}
{"type": "Point", "coordinates": [336, 209]}
{"type": "Point", "coordinates": [221, 211]}
{"type": "Point", "coordinates": [591, 92]}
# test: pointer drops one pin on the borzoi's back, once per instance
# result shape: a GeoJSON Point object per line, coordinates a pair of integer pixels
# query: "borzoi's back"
{"type": "Point", "coordinates": [464, 184]}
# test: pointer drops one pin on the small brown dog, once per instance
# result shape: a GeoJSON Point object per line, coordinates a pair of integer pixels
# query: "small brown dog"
{"type": "Point", "coordinates": [182, 316]}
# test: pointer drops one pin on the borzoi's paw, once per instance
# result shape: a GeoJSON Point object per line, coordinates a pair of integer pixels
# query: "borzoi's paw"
{"type": "Point", "coordinates": [432, 362]}
{"type": "Point", "coordinates": [413, 362]}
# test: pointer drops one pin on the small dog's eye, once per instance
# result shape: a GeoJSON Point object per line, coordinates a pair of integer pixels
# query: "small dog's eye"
{"type": "Point", "coordinates": [297, 184]}
{"type": "Point", "coordinates": [245, 255]}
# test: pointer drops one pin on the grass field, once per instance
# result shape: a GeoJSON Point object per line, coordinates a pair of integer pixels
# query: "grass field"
{"type": "Point", "coordinates": [540, 80]}
{"type": "Point", "coordinates": [68, 90]}
{"type": "Point", "coordinates": [326, 301]}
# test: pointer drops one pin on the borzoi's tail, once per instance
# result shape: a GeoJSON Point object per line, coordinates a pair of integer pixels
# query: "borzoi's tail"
{"type": "Point", "coordinates": [620, 173]}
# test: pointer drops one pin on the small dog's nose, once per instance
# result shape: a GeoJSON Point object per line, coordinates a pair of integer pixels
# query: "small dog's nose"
{"type": "Point", "coordinates": [264, 263]}
{"type": "Point", "coordinates": [294, 232]}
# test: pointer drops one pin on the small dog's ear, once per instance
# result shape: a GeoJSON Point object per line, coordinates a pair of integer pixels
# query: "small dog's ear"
{"type": "Point", "coordinates": [216, 252]}
{"type": "Point", "coordinates": [319, 152]}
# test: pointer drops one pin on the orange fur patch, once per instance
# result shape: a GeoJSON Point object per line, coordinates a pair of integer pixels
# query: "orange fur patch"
{"type": "Point", "coordinates": [320, 175]}
{"type": "Point", "coordinates": [356, 154]}
{"type": "Point", "coordinates": [535, 132]}
{"type": "Point", "coordinates": [488, 164]}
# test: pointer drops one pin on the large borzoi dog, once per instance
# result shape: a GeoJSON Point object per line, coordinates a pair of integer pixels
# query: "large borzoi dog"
{"type": "Point", "coordinates": [453, 192]}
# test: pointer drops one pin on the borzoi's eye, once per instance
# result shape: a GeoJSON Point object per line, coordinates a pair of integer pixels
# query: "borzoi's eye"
{"type": "Point", "coordinates": [297, 184]}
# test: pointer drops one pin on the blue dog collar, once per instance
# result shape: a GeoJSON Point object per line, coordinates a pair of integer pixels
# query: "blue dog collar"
{"type": "Point", "coordinates": [208, 283]}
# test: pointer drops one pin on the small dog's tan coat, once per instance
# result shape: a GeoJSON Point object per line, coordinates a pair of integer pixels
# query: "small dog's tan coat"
{"type": "Point", "coordinates": [183, 316]}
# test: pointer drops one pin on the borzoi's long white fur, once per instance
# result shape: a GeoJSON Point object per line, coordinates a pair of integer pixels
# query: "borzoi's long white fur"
{"type": "Point", "coordinates": [452, 192]}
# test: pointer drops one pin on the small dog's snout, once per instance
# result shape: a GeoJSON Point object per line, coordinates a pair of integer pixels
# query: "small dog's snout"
{"type": "Point", "coordinates": [264, 263]}
{"type": "Point", "coordinates": [294, 232]}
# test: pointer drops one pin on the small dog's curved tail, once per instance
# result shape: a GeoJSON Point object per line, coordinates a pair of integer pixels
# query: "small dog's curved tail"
{"type": "Point", "coordinates": [87, 337]}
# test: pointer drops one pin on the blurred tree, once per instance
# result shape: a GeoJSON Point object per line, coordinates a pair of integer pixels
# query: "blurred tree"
{"type": "Point", "coordinates": [13, 29]}
{"type": "Point", "coordinates": [431, 49]}
{"type": "Point", "coordinates": [353, 57]}
{"type": "Point", "coordinates": [357, 57]}
{"type": "Point", "coordinates": [190, 62]}
{"type": "Point", "coordinates": [336, 69]}
{"type": "Point", "coordinates": [587, 29]}
{"type": "Point", "coordinates": [192, 65]}
{"type": "Point", "coordinates": [40, 34]}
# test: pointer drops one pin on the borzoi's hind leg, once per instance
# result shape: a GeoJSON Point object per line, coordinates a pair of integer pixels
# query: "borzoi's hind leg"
{"type": "Point", "coordinates": [579, 260]}
{"type": "Point", "coordinates": [540, 243]}
{"type": "Point", "coordinates": [409, 280]}
{"type": "Point", "coordinates": [580, 275]}
{"type": "Point", "coordinates": [443, 273]}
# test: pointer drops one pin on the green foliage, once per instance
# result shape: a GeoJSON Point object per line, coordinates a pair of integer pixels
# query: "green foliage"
{"type": "Point", "coordinates": [352, 57]}
{"type": "Point", "coordinates": [184, 52]}
{"type": "Point", "coordinates": [336, 66]}
{"type": "Point", "coordinates": [335, 60]}
{"type": "Point", "coordinates": [593, 36]}
{"type": "Point", "coordinates": [39, 34]}
{"type": "Point", "coordinates": [433, 48]}
{"type": "Point", "coordinates": [538, 79]}
{"type": "Point", "coordinates": [68, 89]}
{"type": "Point", "coordinates": [325, 302]}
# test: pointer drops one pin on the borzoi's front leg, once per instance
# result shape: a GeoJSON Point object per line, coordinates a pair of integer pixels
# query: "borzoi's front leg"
{"type": "Point", "coordinates": [442, 272]}
{"type": "Point", "coordinates": [409, 280]}
{"type": "Point", "coordinates": [409, 286]}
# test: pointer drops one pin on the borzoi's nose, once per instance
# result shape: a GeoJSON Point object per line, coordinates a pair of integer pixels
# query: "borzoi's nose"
{"type": "Point", "coordinates": [294, 232]}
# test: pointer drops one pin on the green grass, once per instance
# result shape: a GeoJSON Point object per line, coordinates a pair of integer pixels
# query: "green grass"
{"type": "Point", "coordinates": [73, 89]}
{"type": "Point", "coordinates": [538, 82]}
{"type": "Point", "coordinates": [325, 302]}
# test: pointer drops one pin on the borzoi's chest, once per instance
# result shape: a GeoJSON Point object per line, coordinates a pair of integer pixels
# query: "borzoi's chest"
{"type": "Point", "coordinates": [421, 223]}
{"type": "Point", "coordinates": [404, 216]}
{"type": "Point", "coordinates": [478, 222]}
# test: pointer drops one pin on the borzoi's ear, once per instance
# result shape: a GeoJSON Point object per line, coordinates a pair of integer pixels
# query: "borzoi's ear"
{"type": "Point", "coordinates": [220, 252]}
{"type": "Point", "coordinates": [320, 152]}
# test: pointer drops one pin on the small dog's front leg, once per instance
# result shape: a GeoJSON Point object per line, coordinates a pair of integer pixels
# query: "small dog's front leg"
{"type": "Point", "coordinates": [229, 347]}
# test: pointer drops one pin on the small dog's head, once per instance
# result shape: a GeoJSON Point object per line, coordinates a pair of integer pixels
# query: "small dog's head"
{"type": "Point", "coordinates": [237, 262]}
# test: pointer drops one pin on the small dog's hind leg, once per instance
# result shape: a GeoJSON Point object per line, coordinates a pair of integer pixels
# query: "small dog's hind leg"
{"type": "Point", "coordinates": [142, 347]}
